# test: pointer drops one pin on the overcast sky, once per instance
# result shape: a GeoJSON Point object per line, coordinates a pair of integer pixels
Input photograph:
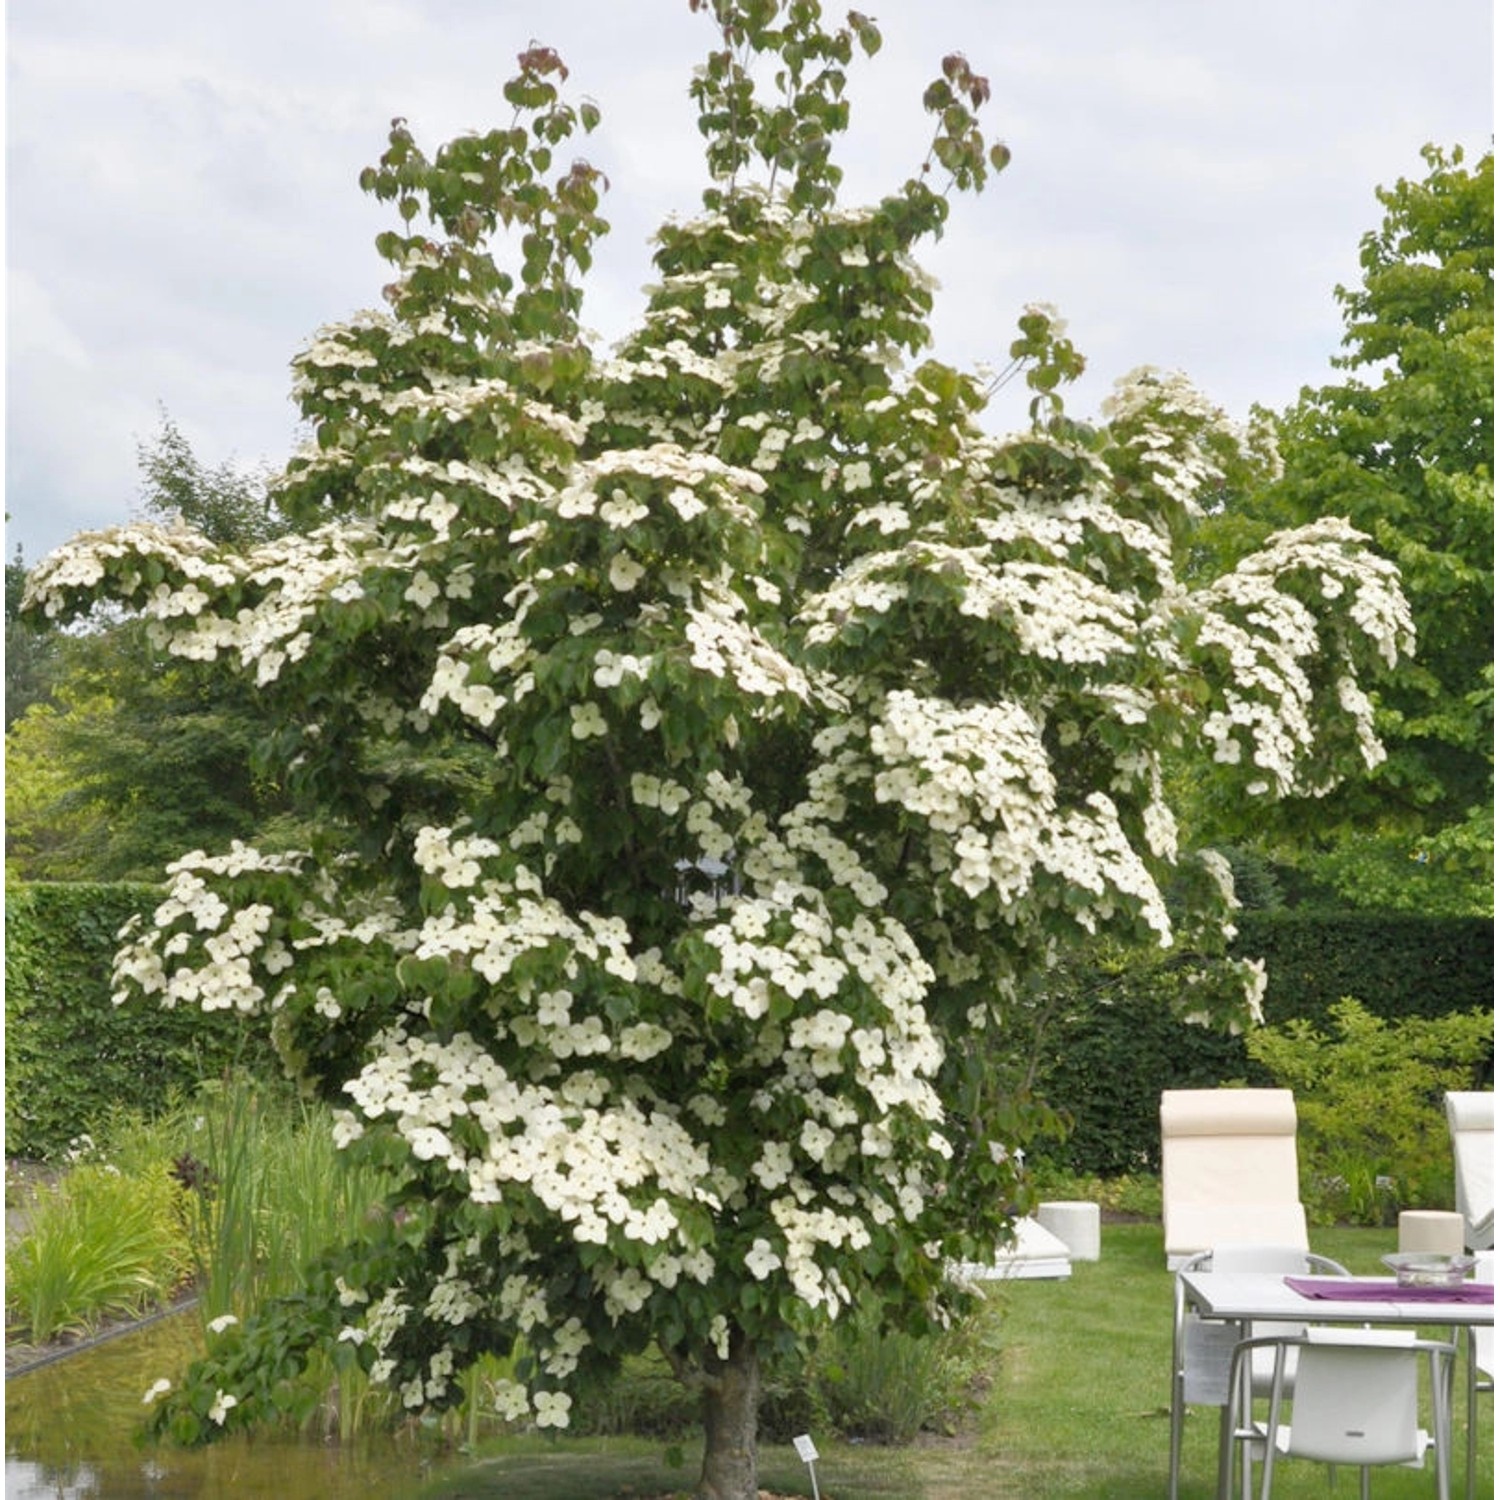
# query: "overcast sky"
{"type": "Point", "coordinates": [1190, 181]}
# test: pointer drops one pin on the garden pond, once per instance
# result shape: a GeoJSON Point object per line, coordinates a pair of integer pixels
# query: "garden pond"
{"type": "Point", "coordinates": [70, 1429]}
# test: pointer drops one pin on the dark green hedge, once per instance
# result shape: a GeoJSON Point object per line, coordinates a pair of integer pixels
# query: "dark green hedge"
{"type": "Point", "coordinates": [1394, 965]}
{"type": "Point", "coordinates": [1108, 1064]}
{"type": "Point", "coordinates": [70, 1054]}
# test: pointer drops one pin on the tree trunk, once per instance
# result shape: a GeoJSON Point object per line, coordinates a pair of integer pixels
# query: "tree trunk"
{"type": "Point", "coordinates": [731, 1401]}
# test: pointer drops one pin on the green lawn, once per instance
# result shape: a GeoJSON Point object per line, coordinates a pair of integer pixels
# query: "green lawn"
{"type": "Point", "coordinates": [1077, 1411]}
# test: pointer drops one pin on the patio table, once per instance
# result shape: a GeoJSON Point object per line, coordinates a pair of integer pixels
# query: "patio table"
{"type": "Point", "coordinates": [1241, 1298]}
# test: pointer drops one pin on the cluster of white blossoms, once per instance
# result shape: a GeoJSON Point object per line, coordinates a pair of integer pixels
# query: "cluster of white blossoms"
{"type": "Point", "coordinates": [274, 591]}
{"type": "Point", "coordinates": [1164, 418]}
{"type": "Point", "coordinates": [1271, 643]}
{"type": "Point", "coordinates": [468, 664]}
{"type": "Point", "coordinates": [980, 775]}
{"type": "Point", "coordinates": [1070, 529]}
{"type": "Point", "coordinates": [688, 483]}
{"type": "Point", "coordinates": [455, 862]}
{"type": "Point", "coordinates": [129, 555]}
{"type": "Point", "coordinates": [602, 1162]}
{"type": "Point", "coordinates": [1333, 553]}
{"type": "Point", "coordinates": [507, 919]}
{"type": "Point", "coordinates": [784, 943]}
{"type": "Point", "coordinates": [199, 950]}
{"type": "Point", "coordinates": [726, 645]}
{"type": "Point", "coordinates": [1087, 847]}
{"type": "Point", "coordinates": [1055, 612]}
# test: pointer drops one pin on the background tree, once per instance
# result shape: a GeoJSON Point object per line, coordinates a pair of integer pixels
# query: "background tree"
{"type": "Point", "coordinates": [30, 649]}
{"type": "Point", "coordinates": [723, 739]}
{"type": "Point", "coordinates": [227, 503]}
{"type": "Point", "coordinates": [1405, 448]}
{"type": "Point", "coordinates": [134, 755]}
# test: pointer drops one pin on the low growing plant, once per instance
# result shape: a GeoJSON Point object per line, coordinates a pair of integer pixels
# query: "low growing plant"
{"type": "Point", "coordinates": [889, 1386]}
{"type": "Point", "coordinates": [100, 1244]}
{"type": "Point", "coordinates": [1371, 1128]}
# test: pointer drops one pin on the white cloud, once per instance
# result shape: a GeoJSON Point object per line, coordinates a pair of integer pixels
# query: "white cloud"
{"type": "Point", "coordinates": [1189, 182]}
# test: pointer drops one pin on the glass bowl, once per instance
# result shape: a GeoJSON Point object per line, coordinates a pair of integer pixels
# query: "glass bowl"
{"type": "Point", "coordinates": [1429, 1268]}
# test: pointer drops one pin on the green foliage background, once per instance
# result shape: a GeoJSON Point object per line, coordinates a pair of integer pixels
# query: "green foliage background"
{"type": "Point", "coordinates": [1117, 1044]}
{"type": "Point", "coordinates": [1394, 963]}
{"type": "Point", "coordinates": [1403, 445]}
{"type": "Point", "coordinates": [71, 1056]}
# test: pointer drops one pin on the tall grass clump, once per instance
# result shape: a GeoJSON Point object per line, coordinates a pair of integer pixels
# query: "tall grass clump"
{"type": "Point", "coordinates": [100, 1244]}
{"type": "Point", "coordinates": [269, 1192]}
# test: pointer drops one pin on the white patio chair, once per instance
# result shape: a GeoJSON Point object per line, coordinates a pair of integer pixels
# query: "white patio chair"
{"type": "Point", "coordinates": [1203, 1350]}
{"type": "Point", "coordinates": [1471, 1122]}
{"type": "Point", "coordinates": [1481, 1371]}
{"type": "Point", "coordinates": [1355, 1403]}
{"type": "Point", "coordinates": [1229, 1170]}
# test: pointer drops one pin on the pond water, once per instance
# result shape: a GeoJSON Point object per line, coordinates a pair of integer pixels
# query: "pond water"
{"type": "Point", "coordinates": [70, 1426]}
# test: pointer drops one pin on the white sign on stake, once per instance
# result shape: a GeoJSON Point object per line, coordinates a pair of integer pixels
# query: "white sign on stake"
{"type": "Point", "coordinates": [808, 1454]}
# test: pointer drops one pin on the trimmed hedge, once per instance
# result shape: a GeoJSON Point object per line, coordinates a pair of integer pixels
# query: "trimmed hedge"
{"type": "Point", "coordinates": [1394, 965]}
{"type": "Point", "coordinates": [71, 1056]}
{"type": "Point", "coordinates": [1108, 1064]}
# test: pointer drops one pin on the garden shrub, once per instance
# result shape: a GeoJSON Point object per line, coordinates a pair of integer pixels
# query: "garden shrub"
{"type": "Point", "coordinates": [71, 1055]}
{"type": "Point", "coordinates": [1372, 1134]}
{"type": "Point", "coordinates": [1106, 1069]}
{"type": "Point", "coordinates": [855, 1381]}
{"type": "Point", "coordinates": [889, 1387]}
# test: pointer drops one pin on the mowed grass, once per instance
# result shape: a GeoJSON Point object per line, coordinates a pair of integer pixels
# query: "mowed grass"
{"type": "Point", "coordinates": [1077, 1410]}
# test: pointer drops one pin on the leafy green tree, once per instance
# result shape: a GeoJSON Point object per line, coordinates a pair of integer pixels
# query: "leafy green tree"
{"type": "Point", "coordinates": [724, 739]}
{"type": "Point", "coordinates": [136, 759]}
{"type": "Point", "coordinates": [30, 651]}
{"type": "Point", "coordinates": [1404, 447]}
{"type": "Point", "coordinates": [1370, 1122]}
{"type": "Point", "coordinates": [226, 503]}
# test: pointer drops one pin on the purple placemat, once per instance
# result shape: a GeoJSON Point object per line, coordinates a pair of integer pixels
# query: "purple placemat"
{"type": "Point", "coordinates": [1353, 1289]}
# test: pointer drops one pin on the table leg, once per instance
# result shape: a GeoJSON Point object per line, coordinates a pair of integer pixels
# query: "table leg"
{"type": "Point", "coordinates": [1226, 1450]}
{"type": "Point", "coordinates": [1471, 1369]}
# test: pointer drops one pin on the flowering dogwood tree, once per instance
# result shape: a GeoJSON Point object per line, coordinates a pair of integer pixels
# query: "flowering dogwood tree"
{"type": "Point", "coordinates": [720, 739]}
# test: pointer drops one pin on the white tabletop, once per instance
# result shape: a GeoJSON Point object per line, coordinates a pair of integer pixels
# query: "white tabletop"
{"type": "Point", "coordinates": [1243, 1296]}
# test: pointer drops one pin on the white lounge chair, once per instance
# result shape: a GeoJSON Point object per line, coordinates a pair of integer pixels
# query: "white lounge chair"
{"type": "Point", "coordinates": [1034, 1254]}
{"type": "Point", "coordinates": [1471, 1121]}
{"type": "Point", "coordinates": [1229, 1170]}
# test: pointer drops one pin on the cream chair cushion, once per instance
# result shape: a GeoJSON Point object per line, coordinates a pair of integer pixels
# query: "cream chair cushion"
{"type": "Point", "coordinates": [1229, 1169]}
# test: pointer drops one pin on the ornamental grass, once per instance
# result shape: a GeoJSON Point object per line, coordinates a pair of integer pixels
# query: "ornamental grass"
{"type": "Point", "coordinates": [100, 1245]}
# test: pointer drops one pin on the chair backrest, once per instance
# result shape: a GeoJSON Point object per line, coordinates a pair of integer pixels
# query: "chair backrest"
{"type": "Point", "coordinates": [1229, 1169]}
{"type": "Point", "coordinates": [1356, 1398]}
{"type": "Point", "coordinates": [1471, 1121]}
{"type": "Point", "coordinates": [1283, 1260]}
